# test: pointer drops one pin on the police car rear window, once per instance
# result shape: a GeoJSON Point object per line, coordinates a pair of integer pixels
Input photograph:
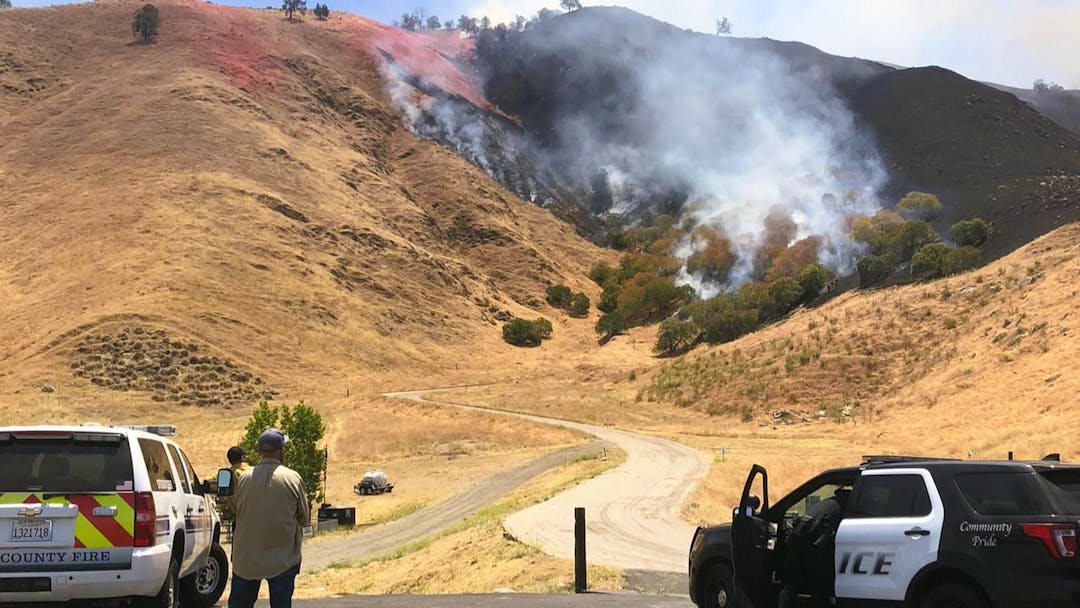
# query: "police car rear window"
{"type": "Point", "coordinates": [64, 465]}
{"type": "Point", "coordinates": [1003, 493]}
{"type": "Point", "coordinates": [1064, 486]}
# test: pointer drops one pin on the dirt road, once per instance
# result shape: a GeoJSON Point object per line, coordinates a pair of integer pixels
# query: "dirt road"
{"type": "Point", "coordinates": [382, 539]}
{"type": "Point", "coordinates": [507, 600]}
{"type": "Point", "coordinates": [632, 512]}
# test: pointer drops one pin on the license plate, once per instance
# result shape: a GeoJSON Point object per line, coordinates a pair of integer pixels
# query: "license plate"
{"type": "Point", "coordinates": [31, 531]}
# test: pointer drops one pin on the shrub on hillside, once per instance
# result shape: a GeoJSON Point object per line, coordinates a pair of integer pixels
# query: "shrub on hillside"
{"type": "Point", "coordinates": [647, 298]}
{"type": "Point", "coordinates": [785, 294]}
{"type": "Point", "coordinates": [293, 6]}
{"type": "Point", "coordinates": [559, 296]}
{"type": "Point", "coordinates": [322, 12]}
{"type": "Point", "coordinates": [812, 279]}
{"type": "Point", "coordinates": [676, 336]}
{"type": "Point", "coordinates": [145, 23]}
{"type": "Point", "coordinates": [912, 236]}
{"type": "Point", "coordinates": [727, 323]}
{"type": "Point", "coordinates": [873, 269]}
{"type": "Point", "coordinates": [755, 296]}
{"type": "Point", "coordinates": [929, 261]}
{"type": "Point", "coordinates": [609, 298]}
{"type": "Point", "coordinates": [879, 232]}
{"type": "Point", "coordinates": [579, 305]}
{"type": "Point", "coordinates": [970, 233]}
{"type": "Point", "coordinates": [601, 273]}
{"type": "Point", "coordinates": [961, 259]}
{"type": "Point", "coordinates": [919, 205]}
{"type": "Point", "coordinates": [521, 332]}
{"type": "Point", "coordinates": [609, 325]}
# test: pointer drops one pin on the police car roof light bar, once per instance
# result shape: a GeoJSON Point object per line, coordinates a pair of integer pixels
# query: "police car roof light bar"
{"type": "Point", "coordinates": [165, 430]}
{"type": "Point", "coordinates": [893, 458]}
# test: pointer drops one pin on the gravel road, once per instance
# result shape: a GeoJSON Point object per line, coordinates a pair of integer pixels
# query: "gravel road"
{"type": "Point", "coordinates": [632, 512]}
{"type": "Point", "coordinates": [384, 538]}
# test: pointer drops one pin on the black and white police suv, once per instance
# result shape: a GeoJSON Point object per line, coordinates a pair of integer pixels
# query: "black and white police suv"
{"type": "Point", "coordinates": [913, 532]}
{"type": "Point", "coordinates": [109, 514]}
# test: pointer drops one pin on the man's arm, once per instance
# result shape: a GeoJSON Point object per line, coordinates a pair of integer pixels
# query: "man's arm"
{"type": "Point", "coordinates": [303, 510]}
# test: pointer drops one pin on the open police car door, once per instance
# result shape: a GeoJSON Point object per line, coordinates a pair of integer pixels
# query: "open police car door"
{"type": "Point", "coordinates": [750, 541]}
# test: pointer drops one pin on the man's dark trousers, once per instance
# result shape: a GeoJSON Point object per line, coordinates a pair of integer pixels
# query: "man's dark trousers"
{"type": "Point", "coordinates": [244, 592]}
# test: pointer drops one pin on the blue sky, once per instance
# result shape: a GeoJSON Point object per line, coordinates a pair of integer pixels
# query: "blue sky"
{"type": "Point", "coordinates": [1006, 41]}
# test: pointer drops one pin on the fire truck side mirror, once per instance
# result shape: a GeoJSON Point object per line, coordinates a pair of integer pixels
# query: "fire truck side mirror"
{"type": "Point", "coordinates": [224, 483]}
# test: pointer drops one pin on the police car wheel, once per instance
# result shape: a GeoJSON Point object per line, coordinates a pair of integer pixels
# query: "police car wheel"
{"type": "Point", "coordinates": [718, 588]}
{"type": "Point", "coordinates": [206, 586]}
{"type": "Point", "coordinates": [952, 595]}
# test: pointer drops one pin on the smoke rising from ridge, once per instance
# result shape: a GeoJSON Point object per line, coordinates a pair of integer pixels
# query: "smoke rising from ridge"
{"type": "Point", "coordinates": [648, 118]}
{"type": "Point", "coordinates": [732, 128]}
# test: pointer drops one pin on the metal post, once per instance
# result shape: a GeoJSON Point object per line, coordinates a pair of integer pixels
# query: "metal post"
{"type": "Point", "coordinates": [580, 583]}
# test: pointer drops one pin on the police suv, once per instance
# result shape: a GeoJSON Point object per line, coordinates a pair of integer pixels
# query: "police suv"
{"type": "Point", "coordinates": [915, 532]}
{"type": "Point", "coordinates": [105, 513]}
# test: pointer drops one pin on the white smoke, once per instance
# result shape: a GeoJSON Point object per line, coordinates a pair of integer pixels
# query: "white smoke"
{"type": "Point", "coordinates": [745, 136]}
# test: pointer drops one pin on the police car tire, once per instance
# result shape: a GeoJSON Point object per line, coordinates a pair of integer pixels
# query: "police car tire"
{"type": "Point", "coordinates": [952, 595]}
{"type": "Point", "coordinates": [190, 595]}
{"type": "Point", "coordinates": [168, 596]}
{"type": "Point", "coordinates": [718, 578]}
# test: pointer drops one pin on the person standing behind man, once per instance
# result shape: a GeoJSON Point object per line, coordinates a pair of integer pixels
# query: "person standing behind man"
{"type": "Point", "coordinates": [271, 513]}
{"type": "Point", "coordinates": [238, 465]}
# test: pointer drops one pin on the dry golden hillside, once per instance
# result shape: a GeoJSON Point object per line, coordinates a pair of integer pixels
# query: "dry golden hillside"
{"type": "Point", "coordinates": [235, 211]}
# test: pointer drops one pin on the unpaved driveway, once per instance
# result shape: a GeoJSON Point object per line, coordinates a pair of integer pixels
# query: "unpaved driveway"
{"type": "Point", "coordinates": [499, 600]}
{"type": "Point", "coordinates": [632, 512]}
{"type": "Point", "coordinates": [384, 538]}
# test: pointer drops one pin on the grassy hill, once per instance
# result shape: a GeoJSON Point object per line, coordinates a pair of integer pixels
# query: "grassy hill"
{"type": "Point", "coordinates": [235, 210]}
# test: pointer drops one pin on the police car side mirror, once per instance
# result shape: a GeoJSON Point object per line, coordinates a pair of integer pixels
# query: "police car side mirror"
{"type": "Point", "coordinates": [224, 483]}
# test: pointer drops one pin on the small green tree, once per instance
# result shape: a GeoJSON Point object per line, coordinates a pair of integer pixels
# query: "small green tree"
{"type": "Point", "coordinates": [970, 233]}
{"type": "Point", "coordinates": [913, 235]}
{"type": "Point", "coordinates": [919, 205]}
{"type": "Point", "coordinates": [961, 259]}
{"type": "Point", "coordinates": [812, 279]}
{"type": "Point", "coordinates": [579, 305]}
{"type": "Point", "coordinates": [520, 332]}
{"type": "Point", "coordinates": [601, 273]}
{"type": "Point", "coordinates": [293, 6]}
{"type": "Point", "coordinates": [305, 427]}
{"type": "Point", "coordinates": [433, 23]}
{"type": "Point", "coordinates": [675, 337]}
{"type": "Point", "coordinates": [321, 12]}
{"type": "Point", "coordinates": [873, 269]}
{"type": "Point", "coordinates": [609, 325]}
{"type": "Point", "coordinates": [929, 261]}
{"type": "Point", "coordinates": [785, 294]}
{"type": "Point", "coordinates": [145, 23]}
{"type": "Point", "coordinates": [5, 3]}
{"type": "Point", "coordinates": [570, 5]}
{"type": "Point", "coordinates": [559, 296]}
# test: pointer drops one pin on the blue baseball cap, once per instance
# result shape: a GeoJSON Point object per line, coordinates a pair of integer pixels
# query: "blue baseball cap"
{"type": "Point", "coordinates": [272, 440]}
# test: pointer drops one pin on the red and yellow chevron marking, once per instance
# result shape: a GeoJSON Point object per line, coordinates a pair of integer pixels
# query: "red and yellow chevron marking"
{"type": "Point", "coordinates": [91, 532]}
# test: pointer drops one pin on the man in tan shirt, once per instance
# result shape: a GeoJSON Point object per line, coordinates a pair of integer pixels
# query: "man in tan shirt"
{"type": "Point", "coordinates": [271, 513]}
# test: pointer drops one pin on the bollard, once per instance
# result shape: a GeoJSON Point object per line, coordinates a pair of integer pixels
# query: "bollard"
{"type": "Point", "coordinates": [580, 583]}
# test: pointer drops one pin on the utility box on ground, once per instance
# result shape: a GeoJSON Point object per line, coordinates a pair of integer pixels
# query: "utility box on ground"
{"type": "Point", "coordinates": [344, 516]}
